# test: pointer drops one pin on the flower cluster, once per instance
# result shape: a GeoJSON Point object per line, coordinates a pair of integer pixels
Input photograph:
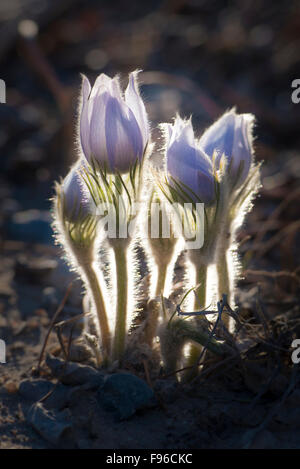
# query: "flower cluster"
{"type": "Point", "coordinates": [114, 181]}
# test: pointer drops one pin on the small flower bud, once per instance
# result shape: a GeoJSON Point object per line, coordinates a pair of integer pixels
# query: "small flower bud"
{"type": "Point", "coordinates": [76, 199]}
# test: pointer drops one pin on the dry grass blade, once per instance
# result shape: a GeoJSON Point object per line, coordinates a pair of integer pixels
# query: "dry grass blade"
{"type": "Point", "coordinates": [55, 316]}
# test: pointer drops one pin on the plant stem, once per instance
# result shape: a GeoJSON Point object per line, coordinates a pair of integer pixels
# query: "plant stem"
{"type": "Point", "coordinates": [201, 274]}
{"type": "Point", "coordinates": [195, 350]}
{"type": "Point", "coordinates": [223, 282]}
{"type": "Point", "coordinates": [150, 326]}
{"type": "Point", "coordinates": [161, 278]}
{"type": "Point", "coordinates": [85, 260]}
{"type": "Point", "coordinates": [120, 251]}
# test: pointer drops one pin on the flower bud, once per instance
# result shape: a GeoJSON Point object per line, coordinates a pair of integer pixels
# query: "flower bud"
{"type": "Point", "coordinates": [114, 128]}
{"type": "Point", "coordinates": [187, 163]}
{"type": "Point", "coordinates": [76, 199]}
{"type": "Point", "coordinates": [231, 135]}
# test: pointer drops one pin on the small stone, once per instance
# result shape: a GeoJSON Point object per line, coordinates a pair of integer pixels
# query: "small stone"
{"type": "Point", "coordinates": [34, 390]}
{"type": "Point", "coordinates": [124, 394]}
{"type": "Point", "coordinates": [11, 387]}
{"type": "Point", "coordinates": [59, 398]}
{"type": "Point", "coordinates": [73, 373]}
{"type": "Point", "coordinates": [52, 426]}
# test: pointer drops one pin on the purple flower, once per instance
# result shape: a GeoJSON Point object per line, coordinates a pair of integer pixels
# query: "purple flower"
{"type": "Point", "coordinates": [114, 128]}
{"type": "Point", "coordinates": [76, 199]}
{"type": "Point", "coordinates": [187, 163]}
{"type": "Point", "coordinates": [231, 135]}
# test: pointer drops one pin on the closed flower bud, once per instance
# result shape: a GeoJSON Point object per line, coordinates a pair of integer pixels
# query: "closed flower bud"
{"type": "Point", "coordinates": [114, 128]}
{"type": "Point", "coordinates": [231, 135]}
{"type": "Point", "coordinates": [76, 199]}
{"type": "Point", "coordinates": [187, 163]}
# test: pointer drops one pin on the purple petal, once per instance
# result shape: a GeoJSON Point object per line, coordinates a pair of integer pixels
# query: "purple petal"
{"type": "Point", "coordinates": [97, 126]}
{"type": "Point", "coordinates": [219, 137]}
{"type": "Point", "coordinates": [84, 122]}
{"type": "Point", "coordinates": [123, 136]}
{"type": "Point", "coordinates": [190, 166]}
{"type": "Point", "coordinates": [115, 89]}
{"type": "Point", "coordinates": [242, 146]}
{"type": "Point", "coordinates": [102, 81]}
{"type": "Point", "coordinates": [136, 104]}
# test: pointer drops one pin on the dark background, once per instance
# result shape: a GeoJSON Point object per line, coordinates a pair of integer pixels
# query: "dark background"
{"type": "Point", "coordinates": [198, 57]}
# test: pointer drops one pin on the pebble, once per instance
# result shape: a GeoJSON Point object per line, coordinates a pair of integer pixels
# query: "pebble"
{"type": "Point", "coordinates": [34, 390]}
{"type": "Point", "coordinates": [125, 394]}
{"type": "Point", "coordinates": [74, 373]}
{"type": "Point", "coordinates": [11, 387]}
{"type": "Point", "coordinates": [53, 426]}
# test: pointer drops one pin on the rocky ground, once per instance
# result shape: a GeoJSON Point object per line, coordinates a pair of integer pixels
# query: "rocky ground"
{"type": "Point", "coordinates": [201, 57]}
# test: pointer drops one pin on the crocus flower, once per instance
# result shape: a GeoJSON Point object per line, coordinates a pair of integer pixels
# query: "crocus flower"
{"type": "Point", "coordinates": [187, 163]}
{"type": "Point", "coordinates": [76, 198]}
{"type": "Point", "coordinates": [114, 128]}
{"type": "Point", "coordinates": [231, 135]}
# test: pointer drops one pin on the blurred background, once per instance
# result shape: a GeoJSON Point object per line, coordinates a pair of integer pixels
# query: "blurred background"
{"type": "Point", "coordinates": [199, 57]}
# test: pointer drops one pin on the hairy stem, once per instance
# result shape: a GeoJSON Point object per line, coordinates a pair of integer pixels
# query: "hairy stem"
{"type": "Point", "coordinates": [195, 350]}
{"type": "Point", "coordinates": [201, 274]}
{"type": "Point", "coordinates": [161, 278]}
{"type": "Point", "coordinates": [120, 251]}
{"type": "Point", "coordinates": [223, 282]}
{"type": "Point", "coordinates": [85, 260]}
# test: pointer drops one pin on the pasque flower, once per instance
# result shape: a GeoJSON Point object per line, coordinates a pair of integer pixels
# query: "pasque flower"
{"type": "Point", "coordinates": [113, 175]}
{"type": "Point", "coordinates": [231, 135]}
{"type": "Point", "coordinates": [76, 198]}
{"type": "Point", "coordinates": [187, 163]}
{"type": "Point", "coordinates": [115, 140]}
{"type": "Point", "coordinates": [114, 128]}
{"type": "Point", "coordinates": [215, 168]}
{"type": "Point", "coordinates": [75, 227]}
